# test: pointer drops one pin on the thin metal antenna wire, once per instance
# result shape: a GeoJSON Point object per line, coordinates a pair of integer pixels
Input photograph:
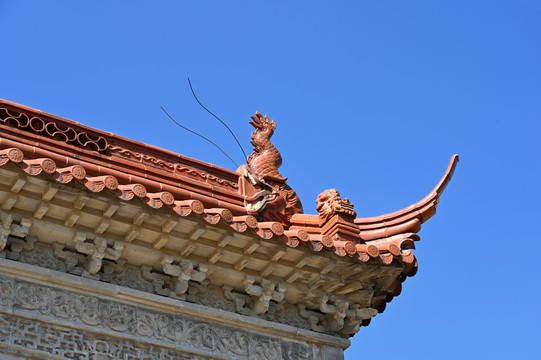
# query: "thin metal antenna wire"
{"type": "Point", "coordinates": [193, 132]}
{"type": "Point", "coordinates": [210, 112]}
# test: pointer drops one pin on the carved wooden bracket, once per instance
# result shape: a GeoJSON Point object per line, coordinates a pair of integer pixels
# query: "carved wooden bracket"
{"type": "Point", "coordinates": [16, 246]}
{"type": "Point", "coordinates": [354, 317]}
{"type": "Point", "coordinates": [242, 302]}
{"type": "Point", "coordinates": [264, 292]}
{"type": "Point", "coordinates": [97, 249]}
{"type": "Point", "coordinates": [9, 227]}
{"type": "Point", "coordinates": [70, 258]}
{"type": "Point", "coordinates": [182, 273]}
{"type": "Point", "coordinates": [316, 320]}
{"type": "Point", "coordinates": [338, 310]}
{"type": "Point", "coordinates": [158, 280]}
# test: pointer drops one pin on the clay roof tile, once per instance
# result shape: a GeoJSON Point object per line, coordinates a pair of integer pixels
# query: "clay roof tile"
{"type": "Point", "coordinates": [43, 143]}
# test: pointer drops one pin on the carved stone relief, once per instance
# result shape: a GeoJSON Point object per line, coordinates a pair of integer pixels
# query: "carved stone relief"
{"type": "Point", "coordinates": [209, 296]}
{"type": "Point", "coordinates": [286, 314]}
{"type": "Point", "coordinates": [159, 329]}
{"type": "Point", "coordinates": [34, 339]}
{"type": "Point", "coordinates": [54, 257]}
{"type": "Point", "coordinates": [186, 281]}
{"type": "Point", "coordinates": [126, 275]}
{"type": "Point", "coordinates": [40, 255]}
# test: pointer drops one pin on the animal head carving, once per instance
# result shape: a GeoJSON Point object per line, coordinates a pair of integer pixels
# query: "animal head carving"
{"type": "Point", "coordinates": [264, 128]}
{"type": "Point", "coordinates": [329, 203]}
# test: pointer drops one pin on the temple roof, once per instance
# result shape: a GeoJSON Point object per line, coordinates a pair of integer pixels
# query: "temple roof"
{"type": "Point", "coordinates": [41, 143]}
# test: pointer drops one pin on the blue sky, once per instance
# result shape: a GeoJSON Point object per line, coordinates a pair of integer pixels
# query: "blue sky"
{"type": "Point", "coordinates": [370, 98]}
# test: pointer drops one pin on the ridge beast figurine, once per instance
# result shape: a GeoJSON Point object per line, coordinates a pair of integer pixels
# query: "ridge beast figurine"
{"type": "Point", "coordinates": [330, 203]}
{"type": "Point", "coordinates": [266, 193]}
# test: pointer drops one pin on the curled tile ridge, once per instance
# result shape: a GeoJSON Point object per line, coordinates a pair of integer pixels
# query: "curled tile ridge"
{"type": "Point", "coordinates": [408, 219]}
{"type": "Point", "coordinates": [44, 127]}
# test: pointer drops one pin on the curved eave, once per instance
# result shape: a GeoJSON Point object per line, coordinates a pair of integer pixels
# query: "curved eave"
{"type": "Point", "coordinates": [39, 134]}
{"type": "Point", "coordinates": [408, 219]}
{"type": "Point", "coordinates": [216, 201]}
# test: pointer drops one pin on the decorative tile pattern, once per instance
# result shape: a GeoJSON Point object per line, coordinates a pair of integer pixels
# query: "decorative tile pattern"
{"type": "Point", "coordinates": [153, 330]}
{"type": "Point", "coordinates": [43, 127]}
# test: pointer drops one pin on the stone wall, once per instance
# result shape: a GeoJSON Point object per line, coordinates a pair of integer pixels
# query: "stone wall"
{"type": "Point", "coordinates": [46, 314]}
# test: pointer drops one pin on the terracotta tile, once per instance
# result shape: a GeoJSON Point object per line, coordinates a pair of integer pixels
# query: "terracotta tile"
{"type": "Point", "coordinates": [68, 151]}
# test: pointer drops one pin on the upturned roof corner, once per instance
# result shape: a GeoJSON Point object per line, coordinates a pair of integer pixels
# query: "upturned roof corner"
{"type": "Point", "coordinates": [256, 217]}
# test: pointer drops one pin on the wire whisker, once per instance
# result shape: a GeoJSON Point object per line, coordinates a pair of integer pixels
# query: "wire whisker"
{"type": "Point", "coordinates": [211, 113]}
{"type": "Point", "coordinates": [193, 132]}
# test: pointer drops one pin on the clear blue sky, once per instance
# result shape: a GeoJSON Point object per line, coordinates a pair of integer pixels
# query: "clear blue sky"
{"type": "Point", "coordinates": [370, 98]}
